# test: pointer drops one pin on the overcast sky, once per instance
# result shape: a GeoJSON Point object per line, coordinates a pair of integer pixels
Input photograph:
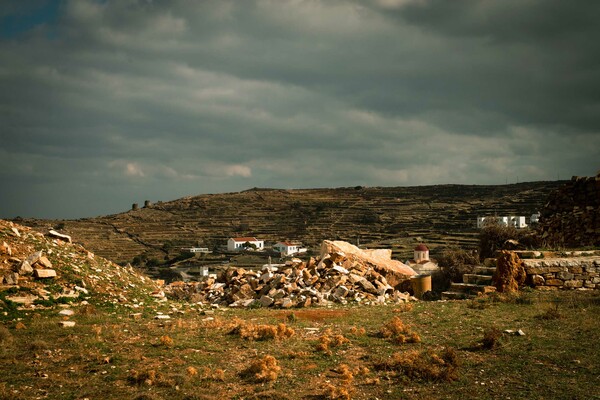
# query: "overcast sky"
{"type": "Point", "coordinates": [108, 103]}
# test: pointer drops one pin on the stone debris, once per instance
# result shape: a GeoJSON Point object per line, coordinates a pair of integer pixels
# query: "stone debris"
{"type": "Point", "coordinates": [44, 273]}
{"type": "Point", "coordinates": [64, 237]}
{"type": "Point", "coordinates": [66, 312]}
{"type": "Point", "coordinates": [5, 249]}
{"type": "Point", "coordinates": [343, 273]}
{"type": "Point", "coordinates": [67, 324]}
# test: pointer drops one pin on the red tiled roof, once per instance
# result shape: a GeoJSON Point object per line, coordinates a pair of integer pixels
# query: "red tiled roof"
{"type": "Point", "coordinates": [245, 239]}
{"type": "Point", "coordinates": [421, 247]}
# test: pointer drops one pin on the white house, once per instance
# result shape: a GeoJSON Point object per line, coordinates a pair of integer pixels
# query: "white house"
{"type": "Point", "coordinates": [238, 243]}
{"type": "Point", "coordinates": [516, 221]}
{"type": "Point", "coordinates": [286, 248]}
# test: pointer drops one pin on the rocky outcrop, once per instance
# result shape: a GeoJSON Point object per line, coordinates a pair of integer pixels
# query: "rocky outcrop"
{"type": "Point", "coordinates": [571, 218]}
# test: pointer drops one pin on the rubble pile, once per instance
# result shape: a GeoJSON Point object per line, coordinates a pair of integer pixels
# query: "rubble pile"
{"type": "Point", "coordinates": [572, 215]}
{"type": "Point", "coordinates": [341, 274]}
{"type": "Point", "coordinates": [37, 270]}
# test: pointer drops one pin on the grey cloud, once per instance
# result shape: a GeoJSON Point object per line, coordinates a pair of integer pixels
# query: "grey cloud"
{"type": "Point", "coordinates": [135, 99]}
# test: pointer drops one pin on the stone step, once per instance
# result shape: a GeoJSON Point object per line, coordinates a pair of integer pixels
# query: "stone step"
{"type": "Point", "coordinates": [477, 279]}
{"type": "Point", "coordinates": [470, 288]}
{"type": "Point", "coordinates": [457, 296]}
{"type": "Point", "coordinates": [484, 270]}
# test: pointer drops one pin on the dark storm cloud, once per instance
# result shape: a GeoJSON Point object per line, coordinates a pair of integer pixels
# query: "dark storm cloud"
{"type": "Point", "coordinates": [106, 103]}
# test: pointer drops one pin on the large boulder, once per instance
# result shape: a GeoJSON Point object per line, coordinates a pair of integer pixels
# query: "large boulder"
{"type": "Point", "coordinates": [379, 260]}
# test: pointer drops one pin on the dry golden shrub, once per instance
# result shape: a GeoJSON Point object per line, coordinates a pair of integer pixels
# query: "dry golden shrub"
{"type": "Point", "coordinates": [328, 340]}
{"type": "Point", "coordinates": [151, 377]}
{"type": "Point", "coordinates": [251, 331]}
{"type": "Point", "coordinates": [491, 338]}
{"type": "Point", "coordinates": [336, 393]}
{"type": "Point", "coordinates": [424, 365]}
{"type": "Point", "coordinates": [358, 331]}
{"type": "Point", "coordinates": [372, 381]}
{"type": "Point", "coordinates": [166, 341]}
{"type": "Point", "coordinates": [398, 332]}
{"type": "Point", "coordinates": [216, 375]}
{"type": "Point", "coordinates": [296, 354]}
{"type": "Point", "coordinates": [265, 369]}
{"type": "Point", "coordinates": [346, 374]}
{"type": "Point", "coordinates": [191, 371]}
{"type": "Point", "coordinates": [404, 307]}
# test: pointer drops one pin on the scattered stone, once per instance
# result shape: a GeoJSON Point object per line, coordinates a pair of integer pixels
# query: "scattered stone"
{"type": "Point", "coordinates": [25, 268]}
{"type": "Point", "coordinates": [520, 333]}
{"type": "Point", "coordinates": [61, 236]}
{"type": "Point", "coordinates": [67, 313]}
{"type": "Point", "coordinates": [136, 316]}
{"type": "Point", "coordinates": [67, 324]}
{"type": "Point", "coordinates": [162, 316]}
{"type": "Point", "coordinates": [11, 278]}
{"type": "Point", "coordinates": [20, 325]}
{"type": "Point", "coordinates": [44, 273]}
{"type": "Point", "coordinates": [34, 257]}
{"type": "Point", "coordinates": [5, 249]}
{"type": "Point", "coordinates": [44, 262]}
{"type": "Point", "coordinates": [15, 232]}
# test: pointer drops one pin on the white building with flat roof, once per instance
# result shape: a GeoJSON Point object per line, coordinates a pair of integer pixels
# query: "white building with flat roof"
{"type": "Point", "coordinates": [241, 243]}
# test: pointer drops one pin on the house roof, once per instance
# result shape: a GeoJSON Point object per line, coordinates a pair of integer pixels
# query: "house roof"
{"type": "Point", "coordinates": [287, 244]}
{"type": "Point", "coordinates": [245, 239]}
{"type": "Point", "coordinates": [421, 247]}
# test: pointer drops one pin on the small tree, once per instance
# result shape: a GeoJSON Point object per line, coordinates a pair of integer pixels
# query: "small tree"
{"type": "Point", "coordinates": [493, 236]}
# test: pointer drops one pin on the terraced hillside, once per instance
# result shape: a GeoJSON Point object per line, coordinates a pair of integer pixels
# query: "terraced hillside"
{"type": "Point", "coordinates": [374, 216]}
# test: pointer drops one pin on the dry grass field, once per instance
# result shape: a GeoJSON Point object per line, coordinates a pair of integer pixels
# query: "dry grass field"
{"type": "Point", "coordinates": [421, 350]}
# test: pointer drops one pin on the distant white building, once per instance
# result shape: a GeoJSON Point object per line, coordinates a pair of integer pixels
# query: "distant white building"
{"type": "Point", "coordinates": [198, 250]}
{"type": "Point", "coordinates": [288, 248]}
{"type": "Point", "coordinates": [516, 221]}
{"type": "Point", "coordinates": [240, 243]}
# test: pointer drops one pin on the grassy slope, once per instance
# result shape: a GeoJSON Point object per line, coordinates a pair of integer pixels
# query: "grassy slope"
{"type": "Point", "coordinates": [110, 355]}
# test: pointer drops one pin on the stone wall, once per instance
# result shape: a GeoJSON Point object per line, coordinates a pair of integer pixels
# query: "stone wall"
{"type": "Point", "coordinates": [564, 273]}
{"type": "Point", "coordinates": [571, 217]}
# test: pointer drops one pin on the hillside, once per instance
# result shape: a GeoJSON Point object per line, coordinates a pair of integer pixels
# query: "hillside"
{"type": "Point", "coordinates": [39, 270]}
{"type": "Point", "coordinates": [394, 217]}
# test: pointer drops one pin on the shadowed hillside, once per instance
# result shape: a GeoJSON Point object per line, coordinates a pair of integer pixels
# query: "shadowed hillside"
{"type": "Point", "coordinates": [395, 217]}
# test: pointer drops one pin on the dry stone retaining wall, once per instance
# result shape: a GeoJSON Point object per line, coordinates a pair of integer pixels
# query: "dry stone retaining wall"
{"type": "Point", "coordinates": [572, 215]}
{"type": "Point", "coordinates": [564, 273]}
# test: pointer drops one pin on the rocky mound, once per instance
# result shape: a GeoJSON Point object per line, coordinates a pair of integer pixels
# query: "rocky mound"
{"type": "Point", "coordinates": [341, 274]}
{"type": "Point", "coordinates": [572, 215]}
{"type": "Point", "coordinates": [38, 271]}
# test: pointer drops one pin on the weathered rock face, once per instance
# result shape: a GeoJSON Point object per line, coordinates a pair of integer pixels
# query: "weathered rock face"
{"type": "Point", "coordinates": [571, 217]}
{"type": "Point", "coordinates": [342, 273]}
{"type": "Point", "coordinates": [510, 272]}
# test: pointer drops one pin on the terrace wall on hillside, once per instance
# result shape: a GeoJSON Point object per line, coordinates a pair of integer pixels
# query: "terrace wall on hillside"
{"type": "Point", "coordinates": [564, 273]}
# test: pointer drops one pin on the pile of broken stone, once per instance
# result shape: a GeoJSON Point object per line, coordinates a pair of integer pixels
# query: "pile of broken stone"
{"type": "Point", "coordinates": [342, 273]}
